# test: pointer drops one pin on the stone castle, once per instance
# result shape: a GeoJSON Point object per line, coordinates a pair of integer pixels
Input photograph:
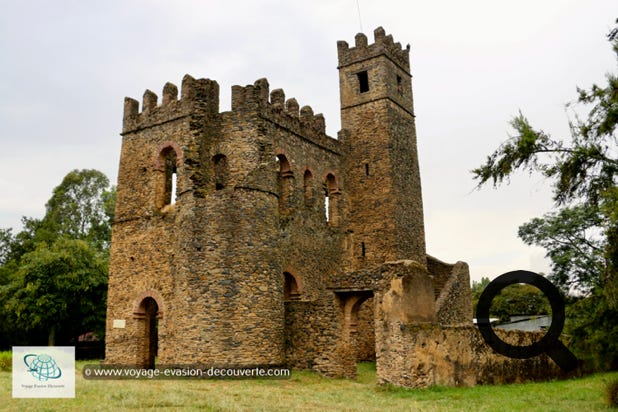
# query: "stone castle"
{"type": "Point", "coordinates": [250, 237]}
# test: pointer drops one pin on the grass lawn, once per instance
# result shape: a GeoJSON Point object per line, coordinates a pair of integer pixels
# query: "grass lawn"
{"type": "Point", "coordinates": [308, 391]}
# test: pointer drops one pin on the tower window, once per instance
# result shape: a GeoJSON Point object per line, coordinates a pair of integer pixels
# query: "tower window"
{"type": "Point", "coordinates": [363, 81]}
{"type": "Point", "coordinates": [366, 169]}
{"type": "Point", "coordinates": [221, 171]}
{"type": "Point", "coordinates": [291, 290]}
{"type": "Point", "coordinates": [286, 184]}
{"type": "Point", "coordinates": [308, 187]}
{"type": "Point", "coordinates": [169, 158]}
{"type": "Point", "coordinates": [331, 200]}
{"type": "Point", "coordinates": [363, 251]}
{"type": "Point", "coordinates": [168, 178]}
{"type": "Point", "coordinates": [174, 187]}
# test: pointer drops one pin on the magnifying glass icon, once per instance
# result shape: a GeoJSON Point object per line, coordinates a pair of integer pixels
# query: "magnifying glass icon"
{"type": "Point", "coordinates": [549, 343]}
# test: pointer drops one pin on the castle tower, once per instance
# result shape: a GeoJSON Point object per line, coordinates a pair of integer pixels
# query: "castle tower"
{"type": "Point", "coordinates": [194, 277]}
{"type": "Point", "coordinates": [385, 211]}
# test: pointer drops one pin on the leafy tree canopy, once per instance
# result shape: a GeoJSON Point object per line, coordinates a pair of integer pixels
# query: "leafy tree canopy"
{"type": "Point", "coordinates": [81, 207]}
{"type": "Point", "coordinates": [53, 273]}
{"type": "Point", "coordinates": [59, 286]}
{"type": "Point", "coordinates": [517, 299]}
{"type": "Point", "coordinates": [581, 236]}
{"type": "Point", "coordinates": [581, 239]}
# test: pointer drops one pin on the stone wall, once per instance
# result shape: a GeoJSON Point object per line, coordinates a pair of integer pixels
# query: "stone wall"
{"type": "Point", "coordinates": [425, 355]}
{"type": "Point", "coordinates": [454, 303]}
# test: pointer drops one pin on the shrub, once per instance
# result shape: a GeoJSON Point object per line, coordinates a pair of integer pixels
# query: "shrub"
{"type": "Point", "coordinates": [6, 361]}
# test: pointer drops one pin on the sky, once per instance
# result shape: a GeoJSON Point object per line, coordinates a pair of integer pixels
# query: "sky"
{"type": "Point", "coordinates": [66, 66]}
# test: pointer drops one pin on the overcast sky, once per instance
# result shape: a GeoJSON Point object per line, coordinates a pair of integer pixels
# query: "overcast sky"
{"type": "Point", "coordinates": [65, 67]}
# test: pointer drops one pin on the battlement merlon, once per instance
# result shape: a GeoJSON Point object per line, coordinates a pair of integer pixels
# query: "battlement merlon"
{"type": "Point", "coordinates": [273, 106]}
{"type": "Point", "coordinates": [383, 45]}
{"type": "Point", "coordinates": [197, 96]}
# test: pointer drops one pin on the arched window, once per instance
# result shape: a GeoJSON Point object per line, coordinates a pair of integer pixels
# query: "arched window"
{"type": "Point", "coordinates": [286, 184]}
{"type": "Point", "coordinates": [167, 163]}
{"type": "Point", "coordinates": [308, 187]}
{"type": "Point", "coordinates": [221, 171]}
{"type": "Point", "coordinates": [331, 200]}
{"type": "Point", "coordinates": [291, 289]}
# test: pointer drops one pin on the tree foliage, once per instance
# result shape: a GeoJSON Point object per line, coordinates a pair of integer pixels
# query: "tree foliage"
{"type": "Point", "coordinates": [581, 236]}
{"type": "Point", "coordinates": [81, 207]}
{"type": "Point", "coordinates": [53, 273]}
{"type": "Point", "coordinates": [592, 331]}
{"type": "Point", "coordinates": [517, 299]}
{"type": "Point", "coordinates": [61, 287]}
{"type": "Point", "coordinates": [477, 289]}
{"type": "Point", "coordinates": [574, 244]}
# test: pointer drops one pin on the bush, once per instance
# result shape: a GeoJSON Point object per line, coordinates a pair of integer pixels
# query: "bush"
{"type": "Point", "coordinates": [6, 361]}
{"type": "Point", "coordinates": [611, 393]}
{"type": "Point", "coordinates": [593, 331]}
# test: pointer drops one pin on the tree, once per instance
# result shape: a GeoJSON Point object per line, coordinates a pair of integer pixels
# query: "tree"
{"type": "Point", "coordinates": [477, 289]}
{"type": "Point", "coordinates": [518, 299]}
{"type": "Point", "coordinates": [61, 287]}
{"type": "Point", "coordinates": [6, 240]}
{"type": "Point", "coordinates": [81, 207]}
{"type": "Point", "coordinates": [53, 273]}
{"type": "Point", "coordinates": [574, 245]}
{"type": "Point", "coordinates": [581, 238]}
{"type": "Point", "coordinates": [584, 169]}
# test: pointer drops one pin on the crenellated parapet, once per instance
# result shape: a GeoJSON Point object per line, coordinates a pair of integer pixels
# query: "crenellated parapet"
{"type": "Point", "coordinates": [383, 45]}
{"type": "Point", "coordinates": [196, 96]}
{"type": "Point", "coordinates": [285, 113]}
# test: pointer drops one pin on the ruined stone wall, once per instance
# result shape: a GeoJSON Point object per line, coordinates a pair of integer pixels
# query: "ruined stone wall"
{"type": "Point", "coordinates": [454, 303]}
{"type": "Point", "coordinates": [314, 337]}
{"type": "Point", "coordinates": [419, 351]}
{"type": "Point", "coordinates": [440, 273]}
{"type": "Point", "coordinates": [425, 355]}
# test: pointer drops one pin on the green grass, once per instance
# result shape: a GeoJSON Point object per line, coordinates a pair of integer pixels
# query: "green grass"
{"type": "Point", "coordinates": [309, 391]}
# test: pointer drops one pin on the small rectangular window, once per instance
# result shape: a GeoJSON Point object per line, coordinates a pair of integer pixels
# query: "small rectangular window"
{"type": "Point", "coordinates": [366, 169]}
{"type": "Point", "coordinates": [363, 81]}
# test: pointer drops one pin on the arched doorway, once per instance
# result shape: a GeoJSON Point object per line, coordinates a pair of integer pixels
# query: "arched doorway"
{"type": "Point", "coordinates": [357, 329]}
{"type": "Point", "coordinates": [149, 313]}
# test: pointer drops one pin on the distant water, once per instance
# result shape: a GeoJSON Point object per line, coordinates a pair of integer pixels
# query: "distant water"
{"type": "Point", "coordinates": [528, 323]}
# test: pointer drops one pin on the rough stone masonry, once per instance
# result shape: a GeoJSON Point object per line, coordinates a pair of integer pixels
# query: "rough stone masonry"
{"type": "Point", "coordinates": [250, 237]}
